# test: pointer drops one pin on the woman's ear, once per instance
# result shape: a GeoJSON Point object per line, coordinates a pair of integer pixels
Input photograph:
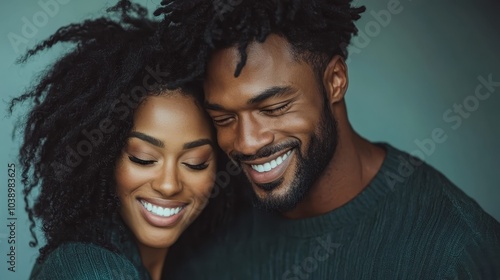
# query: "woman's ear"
{"type": "Point", "coordinates": [335, 79]}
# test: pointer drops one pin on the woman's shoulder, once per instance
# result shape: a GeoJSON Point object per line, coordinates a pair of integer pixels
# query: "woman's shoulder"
{"type": "Point", "coordinates": [85, 261]}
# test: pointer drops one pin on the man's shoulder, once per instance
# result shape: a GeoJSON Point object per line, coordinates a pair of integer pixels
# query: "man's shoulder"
{"type": "Point", "coordinates": [430, 216]}
{"type": "Point", "coordinates": [430, 199]}
{"type": "Point", "coordinates": [410, 175]}
{"type": "Point", "coordinates": [84, 261]}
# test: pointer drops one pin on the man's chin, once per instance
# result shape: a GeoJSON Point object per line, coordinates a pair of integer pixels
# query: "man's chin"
{"type": "Point", "coordinates": [276, 199]}
{"type": "Point", "coordinates": [268, 187]}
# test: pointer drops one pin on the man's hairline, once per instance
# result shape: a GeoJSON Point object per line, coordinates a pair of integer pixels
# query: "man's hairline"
{"type": "Point", "coordinates": [297, 54]}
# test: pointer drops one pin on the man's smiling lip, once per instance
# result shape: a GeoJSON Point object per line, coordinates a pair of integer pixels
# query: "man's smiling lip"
{"type": "Point", "coordinates": [266, 159]}
{"type": "Point", "coordinates": [262, 177]}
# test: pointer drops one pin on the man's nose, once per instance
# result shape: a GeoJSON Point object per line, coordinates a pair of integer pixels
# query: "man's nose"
{"type": "Point", "coordinates": [251, 136]}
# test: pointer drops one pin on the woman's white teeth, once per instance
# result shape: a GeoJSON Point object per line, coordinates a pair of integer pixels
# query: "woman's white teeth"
{"type": "Point", "coordinates": [160, 211]}
{"type": "Point", "coordinates": [268, 166]}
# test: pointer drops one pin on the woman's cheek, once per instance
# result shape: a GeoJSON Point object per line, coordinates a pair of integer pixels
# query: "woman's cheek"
{"type": "Point", "coordinates": [203, 183]}
{"type": "Point", "coordinates": [130, 177]}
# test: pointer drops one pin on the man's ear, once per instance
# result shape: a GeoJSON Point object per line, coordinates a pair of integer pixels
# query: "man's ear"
{"type": "Point", "coordinates": [335, 79]}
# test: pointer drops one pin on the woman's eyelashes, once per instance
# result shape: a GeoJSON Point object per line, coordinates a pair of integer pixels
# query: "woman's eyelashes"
{"type": "Point", "coordinates": [141, 161]}
{"type": "Point", "coordinates": [200, 166]}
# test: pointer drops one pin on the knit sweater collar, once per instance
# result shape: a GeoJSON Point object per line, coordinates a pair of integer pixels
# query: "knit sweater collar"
{"type": "Point", "coordinates": [349, 214]}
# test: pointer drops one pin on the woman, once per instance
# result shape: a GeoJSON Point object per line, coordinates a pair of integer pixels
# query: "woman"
{"type": "Point", "coordinates": [121, 164]}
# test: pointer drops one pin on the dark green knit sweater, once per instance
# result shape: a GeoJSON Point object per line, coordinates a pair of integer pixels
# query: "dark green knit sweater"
{"type": "Point", "coordinates": [410, 222]}
{"type": "Point", "coordinates": [86, 261]}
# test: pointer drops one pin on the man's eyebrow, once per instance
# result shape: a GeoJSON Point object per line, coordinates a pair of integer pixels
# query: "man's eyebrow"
{"type": "Point", "coordinates": [197, 143]}
{"type": "Point", "coordinates": [270, 93]}
{"type": "Point", "coordinates": [264, 95]}
{"type": "Point", "coordinates": [213, 106]}
{"type": "Point", "coordinates": [147, 138]}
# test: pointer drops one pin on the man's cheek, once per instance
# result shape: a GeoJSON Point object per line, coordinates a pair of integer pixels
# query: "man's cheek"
{"type": "Point", "coordinates": [224, 140]}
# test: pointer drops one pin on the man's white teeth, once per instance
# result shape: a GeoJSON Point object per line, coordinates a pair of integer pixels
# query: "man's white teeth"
{"type": "Point", "coordinates": [160, 211]}
{"type": "Point", "coordinates": [268, 166]}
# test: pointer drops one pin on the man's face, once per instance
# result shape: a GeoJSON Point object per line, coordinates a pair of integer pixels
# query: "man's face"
{"type": "Point", "coordinates": [273, 120]}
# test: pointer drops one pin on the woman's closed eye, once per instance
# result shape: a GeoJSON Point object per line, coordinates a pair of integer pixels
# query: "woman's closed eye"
{"type": "Point", "coordinates": [200, 166]}
{"type": "Point", "coordinates": [141, 161]}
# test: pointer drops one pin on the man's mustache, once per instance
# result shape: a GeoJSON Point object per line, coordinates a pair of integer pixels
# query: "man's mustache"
{"type": "Point", "coordinates": [264, 151]}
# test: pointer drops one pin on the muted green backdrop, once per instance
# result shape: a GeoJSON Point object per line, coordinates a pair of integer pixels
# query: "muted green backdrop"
{"type": "Point", "coordinates": [417, 68]}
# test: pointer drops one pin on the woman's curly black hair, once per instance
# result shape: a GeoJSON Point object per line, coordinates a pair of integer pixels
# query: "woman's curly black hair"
{"type": "Point", "coordinates": [81, 112]}
{"type": "Point", "coordinates": [317, 30]}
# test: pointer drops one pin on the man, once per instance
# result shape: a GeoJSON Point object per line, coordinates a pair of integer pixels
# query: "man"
{"type": "Point", "coordinates": [330, 204]}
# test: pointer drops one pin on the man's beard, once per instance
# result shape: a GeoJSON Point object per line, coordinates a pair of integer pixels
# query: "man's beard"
{"type": "Point", "coordinates": [310, 167]}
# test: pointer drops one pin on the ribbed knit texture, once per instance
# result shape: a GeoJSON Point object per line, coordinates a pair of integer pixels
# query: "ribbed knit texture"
{"type": "Point", "coordinates": [410, 222]}
{"type": "Point", "coordinates": [84, 261]}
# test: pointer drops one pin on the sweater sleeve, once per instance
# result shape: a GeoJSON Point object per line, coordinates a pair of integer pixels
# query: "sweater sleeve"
{"type": "Point", "coordinates": [84, 262]}
{"type": "Point", "coordinates": [479, 263]}
{"type": "Point", "coordinates": [480, 256]}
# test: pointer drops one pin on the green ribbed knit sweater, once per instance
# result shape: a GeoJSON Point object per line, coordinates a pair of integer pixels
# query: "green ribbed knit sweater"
{"type": "Point", "coordinates": [410, 222]}
{"type": "Point", "coordinates": [86, 261]}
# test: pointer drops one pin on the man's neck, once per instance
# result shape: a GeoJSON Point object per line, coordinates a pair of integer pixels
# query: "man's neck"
{"type": "Point", "coordinates": [355, 163]}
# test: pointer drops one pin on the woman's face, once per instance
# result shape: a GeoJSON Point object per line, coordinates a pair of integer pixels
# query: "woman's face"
{"type": "Point", "coordinates": [166, 170]}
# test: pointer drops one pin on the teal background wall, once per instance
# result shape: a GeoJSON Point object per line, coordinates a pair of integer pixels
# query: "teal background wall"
{"type": "Point", "coordinates": [406, 73]}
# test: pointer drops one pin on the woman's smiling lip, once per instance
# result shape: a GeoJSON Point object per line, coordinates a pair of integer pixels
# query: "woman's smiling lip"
{"type": "Point", "coordinates": [165, 203]}
{"type": "Point", "coordinates": [176, 209]}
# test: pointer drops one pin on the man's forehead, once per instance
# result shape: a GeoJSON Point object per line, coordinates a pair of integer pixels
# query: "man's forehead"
{"type": "Point", "coordinates": [274, 49]}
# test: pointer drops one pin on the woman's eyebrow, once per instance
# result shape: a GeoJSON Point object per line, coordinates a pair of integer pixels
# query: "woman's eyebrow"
{"type": "Point", "coordinates": [198, 143]}
{"type": "Point", "coordinates": [150, 139]}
